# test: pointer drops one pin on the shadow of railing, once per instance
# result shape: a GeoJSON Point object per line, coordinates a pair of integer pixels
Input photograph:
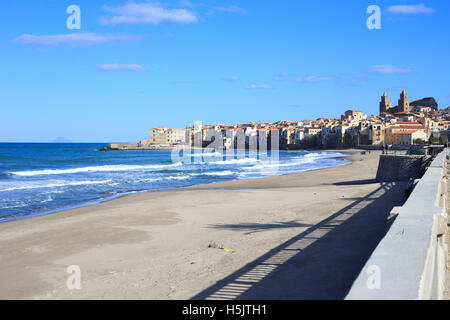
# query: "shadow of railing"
{"type": "Point", "coordinates": [355, 182]}
{"type": "Point", "coordinates": [319, 263]}
{"type": "Point", "coordinates": [259, 227]}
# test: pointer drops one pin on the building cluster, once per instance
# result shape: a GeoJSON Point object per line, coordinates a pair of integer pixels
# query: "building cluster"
{"type": "Point", "coordinates": [408, 123]}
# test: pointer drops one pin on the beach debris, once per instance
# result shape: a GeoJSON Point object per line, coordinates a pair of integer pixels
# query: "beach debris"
{"type": "Point", "coordinates": [214, 245]}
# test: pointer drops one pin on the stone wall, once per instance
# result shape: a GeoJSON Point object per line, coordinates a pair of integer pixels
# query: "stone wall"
{"type": "Point", "coordinates": [123, 146]}
{"type": "Point", "coordinates": [401, 167]}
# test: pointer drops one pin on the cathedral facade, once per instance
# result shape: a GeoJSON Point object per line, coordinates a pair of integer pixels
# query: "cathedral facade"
{"type": "Point", "coordinates": [404, 105]}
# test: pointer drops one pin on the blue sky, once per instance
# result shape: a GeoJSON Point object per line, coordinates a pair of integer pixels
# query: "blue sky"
{"type": "Point", "coordinates": [135, 65]}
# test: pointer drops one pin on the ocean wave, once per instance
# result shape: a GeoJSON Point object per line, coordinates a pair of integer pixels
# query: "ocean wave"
{"type": "Point", "coordinates": [5, 175]}
{"type": "Point", "coordinates": [298, 161]}
{"type": "Point", "coordinates": [177, 178]}
{"type": "Point", "coordinates": [324, 155]}
{"type": "Point", "coordinates": [219, 173]}
{"type": "Point", "coordinates": [108, 168]}
{"type": "Point", "coordinates": [206, 154]}
{"type": "Point", "coordinates": [49, 198]}
{"type": "Point", "coordinates": [21, 205]}
{"type": "Point", "coordinates": [275, 164]}
{"type": "Point", "coordinates": [56, 185]}
{"type": "Point", "coordinates": [53, 192]}
{"type": "Point", "coordinates": [232, 161]}
{"type": "Point", "coordinates": [213, 174]}
{"type": "Point", "coordinates": [149, 179]}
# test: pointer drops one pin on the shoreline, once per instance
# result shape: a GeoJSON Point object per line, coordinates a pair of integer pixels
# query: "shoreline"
{"type": "Point", "coordinates": [200, 186]}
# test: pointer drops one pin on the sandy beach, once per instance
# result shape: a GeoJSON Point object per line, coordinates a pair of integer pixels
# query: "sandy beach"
{"type": "Point", "coordinates": [298, 236]}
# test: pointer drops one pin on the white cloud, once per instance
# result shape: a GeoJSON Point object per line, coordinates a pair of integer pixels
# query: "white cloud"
{"type": "Point", "coordinates": [121, 67]}
{"type": "Point", "coordinates": [259, 86]}
{"type": "Point", "coordinates": [411, 9]}
{"type": "Point", "coordinates": [212, 9]}
{"type": "Point", "coordinates": [230, 9]}
{"type": "Point", "coordinates": [314, 79]}
{"type": "Point", "coordinates": [146, 13]}
{"type": "Point", "coordinates": [73, 39]}
{"type": "Point", "coordinates": [292, 74]}
{"type": "Point", "coordinates": [285, 76]}
{"type": "Point", "coordinates": [388, 69]}
{"type": "Point", "coordinates": [188, 4]}
{"type": "Point", "coordinates": [232, 79]}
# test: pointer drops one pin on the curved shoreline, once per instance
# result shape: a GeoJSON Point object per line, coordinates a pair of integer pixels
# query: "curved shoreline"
{"type": "Point", "coordinates": [189, 187]}
{"type": "Point", "coordinates": [160, 245]}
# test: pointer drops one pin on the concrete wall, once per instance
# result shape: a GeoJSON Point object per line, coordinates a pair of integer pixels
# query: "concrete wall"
{"type": "Point", "coordinates": [123, 146]}
{"type": "Point", "coordinates": [409, 263]}
{"type": "Point", "coordinates": [400, 167]}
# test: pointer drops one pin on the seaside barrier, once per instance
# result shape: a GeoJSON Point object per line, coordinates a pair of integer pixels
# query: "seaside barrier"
{"type": "Point", "coordinates": [410, 261]}
{"type": "Point", "coordinates": [401, 167]}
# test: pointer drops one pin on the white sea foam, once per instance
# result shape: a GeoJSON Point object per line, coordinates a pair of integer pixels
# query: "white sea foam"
{"type": "Point", "coordinates": [233, 161]}
{"type": "Point", "coordinates": [23, 204]}
{"type": "Point", "coordinates": [323, 155]}
{"type": "Point", "coordinates": [206, 154]}
{"type": "Point", "coordinates": [274, 164]}
{"type": "Point", "coordinates": [49, 198]}
{"type": "Point", "coordinates": [217, 173]}
{"type": "Point", "coordinates": [55, 185]}
{"type": "Point", "coordinates": [178, 178]}
{"type": "Point", "coordinates": [94, 169]}
{"type": "Point", "coordinates": [53, 192]}
{"type": "Point", "coordinates": [149, 179]}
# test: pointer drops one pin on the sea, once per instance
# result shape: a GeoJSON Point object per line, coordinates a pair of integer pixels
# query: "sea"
{"type": "Point", "coordinates": [44, 178]}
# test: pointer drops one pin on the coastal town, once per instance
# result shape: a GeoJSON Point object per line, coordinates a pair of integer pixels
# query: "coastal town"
{"type": "Point", "coordinates": [409, 123]}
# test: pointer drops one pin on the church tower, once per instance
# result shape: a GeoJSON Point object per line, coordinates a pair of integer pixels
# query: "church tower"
{"type": "Point", "coordinates": [385, 104]}
{"type": "Point", "coordinates": [403, 103]}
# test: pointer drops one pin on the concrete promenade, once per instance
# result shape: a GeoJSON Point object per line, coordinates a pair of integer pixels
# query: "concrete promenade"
{"type": "Point", "coordinates": [447, 290]}
{"type": "Point", "coordinates": [411, 261]}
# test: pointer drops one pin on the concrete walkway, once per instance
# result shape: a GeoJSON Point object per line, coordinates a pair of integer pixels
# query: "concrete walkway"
{"type": "Point", "coordinates": [447, 291]}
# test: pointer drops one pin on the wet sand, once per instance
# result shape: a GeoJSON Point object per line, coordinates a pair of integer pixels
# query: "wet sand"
{"type": "Point", "coordinates": [298, 236]}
